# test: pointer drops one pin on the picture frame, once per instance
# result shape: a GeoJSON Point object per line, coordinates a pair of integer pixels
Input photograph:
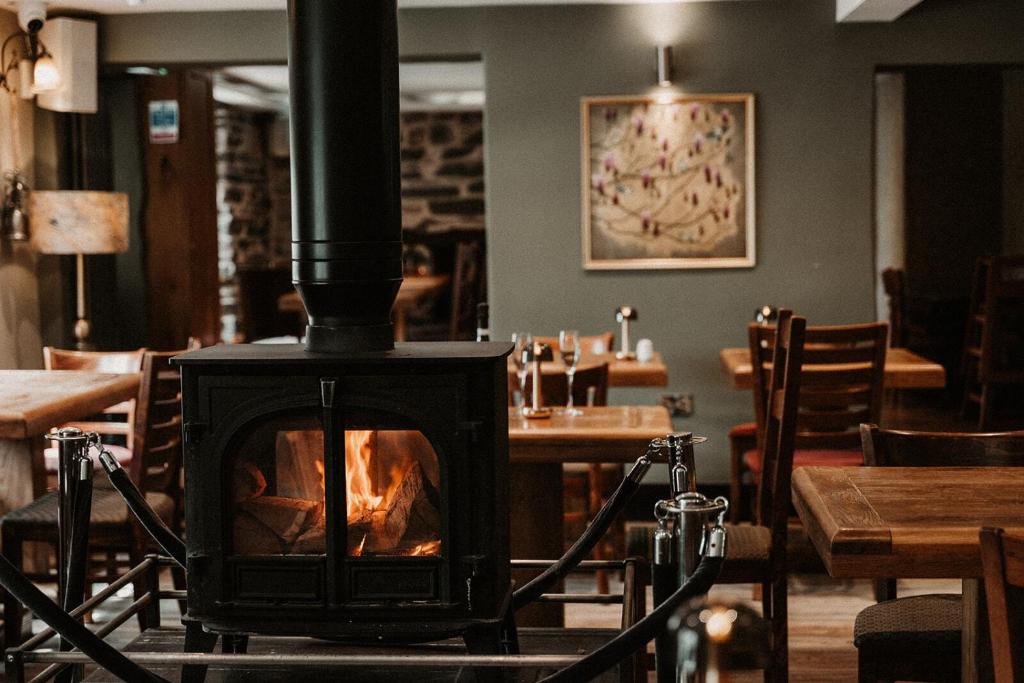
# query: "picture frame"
{"type": "Point", "coordinates": [668, 182]}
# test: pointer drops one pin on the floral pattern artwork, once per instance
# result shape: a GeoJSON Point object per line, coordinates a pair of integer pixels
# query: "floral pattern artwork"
{"type": "Point", "coordinates": [668, 184]}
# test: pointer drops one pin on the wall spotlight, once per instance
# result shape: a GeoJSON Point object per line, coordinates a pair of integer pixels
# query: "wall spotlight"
{"type": "Point", "coordinates": [664, 65]}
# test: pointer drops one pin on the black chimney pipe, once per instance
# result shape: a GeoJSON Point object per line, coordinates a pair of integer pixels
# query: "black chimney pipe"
{"type": "Point", "coordinates": [346, 230]}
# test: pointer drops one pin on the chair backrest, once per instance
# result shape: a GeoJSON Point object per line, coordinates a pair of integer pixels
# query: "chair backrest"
{"type": "Point", "coordinates": [258, 293]}
{"type": "Point", "coordinates": [783, 391]}
{"type": "Point", "coordinates": [115, 362]}
{"type": "Point", "coordinates": [121, 422]}
{"type": "Point", "coordinates": [156, 452]}
{"type": "Point", "coordinates": [587, 342]}
{"type": "Point", "coordinates": [895, 448]}
{"type": "Point", "coordinates": [469, 283]}
{"type": "Point", "coordinates": [1002, 559]}
{"type": "Point", "coordinates": [1002, 337]}
{"type": "Point", "coordinates": [894, 281]}
{"type": "Point", "coordinates": [589, 387]}
{"type": "Point", "coordinates": [841, 386]}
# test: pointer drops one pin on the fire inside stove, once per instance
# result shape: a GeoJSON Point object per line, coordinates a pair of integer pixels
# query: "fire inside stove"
{"type": "Point", "coordinates": [392, 495]}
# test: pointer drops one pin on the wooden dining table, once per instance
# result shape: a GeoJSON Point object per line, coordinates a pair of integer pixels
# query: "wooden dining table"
{"type": "Point", "coordinates": [904, 369]}
{"type": "Point", "coordinates": [537, 451]}
{"type": "Point", "coordinates": [902, 522]}
{"type": "Point", "coordinates": [621, 373]}
{"type": "Point", "coordinates": [32, 402]}
{"type": "Point", "coordinates": [413, 289]}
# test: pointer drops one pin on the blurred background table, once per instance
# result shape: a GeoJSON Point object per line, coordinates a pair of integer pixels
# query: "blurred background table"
{"type": "Point", "coordinates": [904, 369]}
{"type": "Point", "coordinates": [621, 373]}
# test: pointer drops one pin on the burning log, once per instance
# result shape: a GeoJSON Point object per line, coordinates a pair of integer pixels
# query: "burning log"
{"type": "Point", "coordinates": [299, 464]}
{"type": "Point", "coordinates": [313, 542]}
{"type": "Point", "coordinates": [286, 518]}
{"type": "Point", "coordinates": [248, 482]}
{"type": "Point", "coordinates": [407, 508]}
{"type": "Point", "coordinates": [253, 538]}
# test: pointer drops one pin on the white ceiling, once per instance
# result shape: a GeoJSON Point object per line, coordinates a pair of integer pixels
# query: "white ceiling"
{"type": "Point", "coordinates": [135, 6]}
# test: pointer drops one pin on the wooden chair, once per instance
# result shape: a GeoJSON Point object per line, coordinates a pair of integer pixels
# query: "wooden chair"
{"type": "Point", "coordinates": [918, 638]}
{"type": "Point", "coordinates": [995, 374]}
{"type": "Point", "coordinates": [469, 287]}
{"type": "Point", "coordinates": [116, 423]}
{"type": "Point", "coordinates": [1002, 559]}
{"type": "Point", "coordinates": [156, 469]}
{"type": "Point", "coordinates": [757, 553]}
{"type": "Point", "coordinates": [842, 386]}
{"type": "Point", "coordinates": [258, 292]}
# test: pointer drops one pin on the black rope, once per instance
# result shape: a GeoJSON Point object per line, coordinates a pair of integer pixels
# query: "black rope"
{"type": "Point", "coordinates": [160, 532]}
{"type": "Point", "coordinates": [639, 634]}
{"type": "Point", "coordinates": [581, 548]}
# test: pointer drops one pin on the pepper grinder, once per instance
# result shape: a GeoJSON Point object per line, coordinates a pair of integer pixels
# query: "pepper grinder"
{"type": "Point", "coordinates": [623, 315]}
{"type": "Point", "coordinates": [537, 354]}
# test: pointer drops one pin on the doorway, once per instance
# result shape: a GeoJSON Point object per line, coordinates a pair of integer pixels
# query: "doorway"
{"type": "Point", "coordinates": [443, 207]}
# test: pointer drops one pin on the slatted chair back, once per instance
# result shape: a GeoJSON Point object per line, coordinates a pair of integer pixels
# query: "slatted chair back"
{"type": "Point", "coordinates": [780, 427]}
{"type": "Point", "coordinates": [841, 385]}
{"type": "Point", "coordinates": [1002, 338]}
{"type": "Point", "coordinates": [157, 453]}
{"type": "Point", "coordinates": [469, 286]}
{"type": "Point", "coordinates": [589, 387]}
{"type": "Point", "coordinates": [894, 282]}
{"type": "Point", "coordinates": [896, 448]}
{"type": "Point", "coordinates": [1002, 558]}
{"type": "Point", "coordinates": [605, 340]}
{"type": "Point", "coordinates": [121, 416]}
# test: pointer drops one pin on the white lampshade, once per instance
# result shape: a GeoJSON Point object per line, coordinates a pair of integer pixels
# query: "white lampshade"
{"type": "Point", "coordinates": [70, 222]}
{"type": "Point", "coordinates": [45, 76]}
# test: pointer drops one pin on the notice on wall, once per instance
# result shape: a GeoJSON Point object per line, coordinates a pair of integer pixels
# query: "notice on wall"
{"type": "Point", "coordinates": [164, 122]}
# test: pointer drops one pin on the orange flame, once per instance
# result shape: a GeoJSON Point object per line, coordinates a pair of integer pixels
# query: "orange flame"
{"type": "Point", "coordinates": [429, 548]}
{"type": "Point", "coordinates": [358, 483]}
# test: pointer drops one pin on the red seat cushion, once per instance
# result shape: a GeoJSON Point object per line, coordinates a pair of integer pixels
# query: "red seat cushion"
{"type": "Point", "coordinates": [810, 457]}
{"type": "Point", "coordinates": [743, 430]}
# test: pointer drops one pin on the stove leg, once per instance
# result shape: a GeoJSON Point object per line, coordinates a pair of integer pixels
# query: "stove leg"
{"type": "Point", "coordinates": [235, 643]}
{"type": "Point", "coordinates": [484, 641]}
{"type": "Point", "coordinates": [196, 640]}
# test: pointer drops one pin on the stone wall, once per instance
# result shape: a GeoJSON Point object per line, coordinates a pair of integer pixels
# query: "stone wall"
{"type": "Point", "coordinates": [442, 171]}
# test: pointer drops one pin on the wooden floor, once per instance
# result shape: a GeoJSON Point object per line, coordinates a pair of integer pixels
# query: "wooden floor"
{"type": "Point", "coordinates": [821, 614]}
{"type": "Point", "coordinates": [822, 611]}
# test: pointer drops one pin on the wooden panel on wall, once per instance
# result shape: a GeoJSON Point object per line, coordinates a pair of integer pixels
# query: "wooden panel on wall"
{"type": "Point", "coordinates": [181, 215]}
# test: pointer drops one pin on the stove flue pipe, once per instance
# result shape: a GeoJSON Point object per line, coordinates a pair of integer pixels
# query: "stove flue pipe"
{"type": "Point", "coordinates": [346, 202]}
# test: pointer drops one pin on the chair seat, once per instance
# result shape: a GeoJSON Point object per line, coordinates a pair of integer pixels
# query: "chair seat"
{"type": "Point", "coordinates": [122, 454]}
{"type": "Point", "coordinates": [811, 458]}
{"type": "Point", "coordinates": [743, 430]}
{"type": "Point", "coordinates": [108, 509]}
{"type": "Point", "coordinates": [747, 551]}
{"type": "Point", "coordinates": [921, 622]}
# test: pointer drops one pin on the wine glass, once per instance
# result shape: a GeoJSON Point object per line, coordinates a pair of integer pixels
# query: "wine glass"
{"type": "Point", "coordinates": [569, 347]}
{"type": "Point", "coordinates": [521, 341]}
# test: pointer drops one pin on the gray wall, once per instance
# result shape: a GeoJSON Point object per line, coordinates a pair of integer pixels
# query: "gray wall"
{"type": "Point", "coordinates": [814, 86]}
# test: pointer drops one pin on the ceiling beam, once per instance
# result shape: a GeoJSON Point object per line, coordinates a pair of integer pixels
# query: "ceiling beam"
{"type": "Point", "coordinates": [872, 10]}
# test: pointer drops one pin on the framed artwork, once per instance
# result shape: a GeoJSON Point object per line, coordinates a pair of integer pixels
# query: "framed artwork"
{"type": "Point", "coordinates": [668, 183]}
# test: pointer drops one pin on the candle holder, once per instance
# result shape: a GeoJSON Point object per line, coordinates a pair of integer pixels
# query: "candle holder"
{"type": "Point", "coordinates": [537, 354]}
{"type": "Point", "coordinates": [624, 315]}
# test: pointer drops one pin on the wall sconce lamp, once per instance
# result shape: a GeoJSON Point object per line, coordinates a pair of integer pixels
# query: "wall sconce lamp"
{"type": "Point", "coordinates": [28, 68]}
{"type": "Point", "coordinates": [13, 216]}
{"type": "Point", "coordinates": [664, 65]}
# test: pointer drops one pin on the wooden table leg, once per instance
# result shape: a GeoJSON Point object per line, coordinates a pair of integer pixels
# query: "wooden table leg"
{"type": "Point", "coordinates": [400, 331]}
{"type": "Point", "coordinates": [975, 644]}
{"type": "Point", "coordinates": [536, 529]}
{"type": "Point", "coordinates": [20, 484]}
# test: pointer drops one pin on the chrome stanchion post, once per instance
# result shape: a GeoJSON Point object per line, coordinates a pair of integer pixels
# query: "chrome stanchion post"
{"type": "Point", "coordinates": [74, 490]}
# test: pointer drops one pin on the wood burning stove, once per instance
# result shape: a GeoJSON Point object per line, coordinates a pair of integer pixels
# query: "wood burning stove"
{"type": "Point", "coordinates": [350, 488]}
{"type": "Point", "coordinates": [357, 496]}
